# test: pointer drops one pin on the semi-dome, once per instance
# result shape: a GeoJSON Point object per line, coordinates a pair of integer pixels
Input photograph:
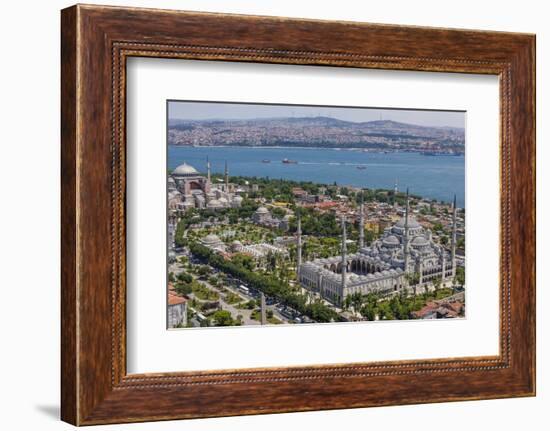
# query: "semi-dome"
{"type": "Point", "coordinates": [185, 170]}
{"type": "Point", "coordinates": [419, 241]}
{"type": "Point", "coordinates": [262, 210]}
{"type": "Point", "coordinates": [391, 240]}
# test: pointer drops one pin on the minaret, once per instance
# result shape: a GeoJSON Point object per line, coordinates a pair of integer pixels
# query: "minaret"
{"type": "Point", "coordinates": [344, 254]}
{"type": "Point", "coordinates": [443, 264]}
{"type": "Point", "coordinates": [406, 239]}
{"type": "Point", "coordinates": [362, 223]}
{"type": "Point", "coordinates": [453, 241]}
{"type": "Point", "coordinates": [395, 194]}
{"type": "Point", "coordinates": [208, 187]}
{"type": "Point", "coordinates": [226, 178]}
{"type": "Point", "coordinates": [263, 317]}
{"type": "Point", "coordinates": [299, 247]}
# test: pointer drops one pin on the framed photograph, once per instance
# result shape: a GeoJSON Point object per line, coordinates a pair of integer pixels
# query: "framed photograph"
{"type": "Point", "coordinates": [267, 215]}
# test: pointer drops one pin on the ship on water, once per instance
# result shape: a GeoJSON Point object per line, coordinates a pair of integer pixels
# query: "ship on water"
{"type": "Point", "coordinates": [289, 162]}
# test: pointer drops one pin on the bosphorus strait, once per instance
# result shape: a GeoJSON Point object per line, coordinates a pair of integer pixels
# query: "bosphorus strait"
{"type": "Point", "coordinates": [437, 177]}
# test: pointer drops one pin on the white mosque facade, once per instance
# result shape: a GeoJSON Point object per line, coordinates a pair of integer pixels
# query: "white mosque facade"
{"type": "Point", "coordinates": [384, 266]}
{"type": "Point", "coordinates": [187, 188]}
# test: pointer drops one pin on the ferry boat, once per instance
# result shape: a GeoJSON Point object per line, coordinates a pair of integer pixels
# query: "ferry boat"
{"type": "Point", "coordinates": [290, 162]}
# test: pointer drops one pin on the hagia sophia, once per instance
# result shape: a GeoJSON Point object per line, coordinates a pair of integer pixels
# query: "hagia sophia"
{"type": "Point", "coordinates": [187, 188]}
{"type": "Point", "coordinates": [383, 267]}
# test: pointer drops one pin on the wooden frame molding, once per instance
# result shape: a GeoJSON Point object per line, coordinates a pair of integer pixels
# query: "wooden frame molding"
{"type": "Point", "coordinates": [95, 42]}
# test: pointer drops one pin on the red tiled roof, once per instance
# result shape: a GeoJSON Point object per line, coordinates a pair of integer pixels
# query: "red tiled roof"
{"type": "Point", "coordinates": [323, 205]}
{"type": "Point", "coordinates": [175, 300]}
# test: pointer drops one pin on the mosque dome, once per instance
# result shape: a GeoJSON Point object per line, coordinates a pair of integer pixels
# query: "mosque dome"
{"type": "Point", "coordinates": [419, 241]}
{"type": "Point", "coordinates": [262, 210]}
{"type": "Point", "coordinates": [390, 241]}
{"type": "Point", "coordinates": [236, 245]}
{"type": "Point", "coordinates": [413, 224]}
{"type": "Point", "coordinates": [185, 170]}
{"type": "Point", "coordinates": [211, 239]}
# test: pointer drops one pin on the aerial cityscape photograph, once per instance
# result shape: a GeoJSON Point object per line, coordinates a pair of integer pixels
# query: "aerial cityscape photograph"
{"type": "Point", "coordinates": [297, 214]}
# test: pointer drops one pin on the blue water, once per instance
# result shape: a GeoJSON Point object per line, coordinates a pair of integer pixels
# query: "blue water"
{"type": "Point", "coordinates": [435, 177]}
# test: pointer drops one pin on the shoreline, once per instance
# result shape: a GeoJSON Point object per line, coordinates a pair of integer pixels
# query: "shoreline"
{"type": "Point", "coordinates": [352, 149]}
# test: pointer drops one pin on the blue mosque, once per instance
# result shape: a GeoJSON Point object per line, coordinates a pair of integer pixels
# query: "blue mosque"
{"type": "Point", "coordinates": [384, 267]}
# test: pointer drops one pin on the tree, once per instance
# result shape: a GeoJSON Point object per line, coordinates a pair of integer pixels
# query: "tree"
{"type": "Point", "coordinates": [205, 323]}
{"type": "Point", "coordinates": [271, 261]}
{"type": "Point", "coordinates": [244, 260]}
{"type": "Point", "coordinates": [460, 276]}
{"type": "Point", "coordinates": [370, 236]}
{"type": "Point", "coordinates": [413, 278]}
{"type": "Point", "coordinates": [356, 301]}
{"type": "Point", "coordinates": [203, 270]}
{"type": "Point", "coordinates": [369, 311]}
{"type": "Point", "coordinates": [278, 213]}
{"type": "Point", "coordinates": [223, 318]}
{"type": "Point", "coordinates": [437, 285]}
{"type": "Point", "coordinates": [347, 302]}
{"type": "Point", "coordinates": [184, 277]}
{"type": "Point", "coordinates": [183, 288]}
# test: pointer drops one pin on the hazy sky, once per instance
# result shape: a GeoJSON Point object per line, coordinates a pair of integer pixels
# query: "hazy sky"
{"type": "Point", "coordinates": [209, 110]}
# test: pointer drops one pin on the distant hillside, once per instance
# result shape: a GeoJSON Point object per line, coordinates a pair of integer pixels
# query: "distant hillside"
{"type": "Point", "coordinates": [326, 132]}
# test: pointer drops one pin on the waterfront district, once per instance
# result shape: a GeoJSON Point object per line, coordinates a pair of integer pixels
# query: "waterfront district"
{"type": "Point", "coordinates": [253, 251]}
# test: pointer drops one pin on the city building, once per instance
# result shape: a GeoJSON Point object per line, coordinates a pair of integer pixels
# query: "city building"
{"type": "Point", "coordinates": [258, 251]}
{"type": "Point", "coordinates": [177, 310]}
{"type": "Point", "coordinates": [263, 217]}
{"type": "Point", "coordinates": [404, 251]}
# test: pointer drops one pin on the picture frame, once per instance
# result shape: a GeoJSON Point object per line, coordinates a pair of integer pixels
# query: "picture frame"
{"type": "Point", "coordinates": [96, 42]}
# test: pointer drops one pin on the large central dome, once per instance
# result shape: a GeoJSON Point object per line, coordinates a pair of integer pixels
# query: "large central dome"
{"type": "Point", "coordinates": [413, 224]}
{"type": "Point", "coordinates": [185, 170]}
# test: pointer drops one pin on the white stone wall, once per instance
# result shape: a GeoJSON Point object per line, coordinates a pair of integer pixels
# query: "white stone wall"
{"type": "Point", "coordinates": [177, 314]}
